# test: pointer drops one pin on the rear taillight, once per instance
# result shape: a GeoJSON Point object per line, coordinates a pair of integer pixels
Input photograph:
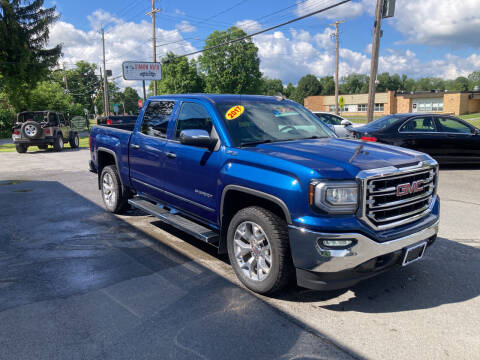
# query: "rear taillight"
{"type": "Point", "coordinates": [16, 132]}
{"type": "Point", "coordinates": [368, 138]}
{"type": "Point", "coordinates": [109, 122]}
{"type": "Point", "coordinates": [47, 131]}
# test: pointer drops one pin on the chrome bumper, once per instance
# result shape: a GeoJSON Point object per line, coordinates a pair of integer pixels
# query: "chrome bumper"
{"type": "Point", "coordinates": [365, 248]}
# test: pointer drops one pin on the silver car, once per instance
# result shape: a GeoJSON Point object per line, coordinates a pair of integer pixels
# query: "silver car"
{"type": "Point", "coordinates": [337, 123]}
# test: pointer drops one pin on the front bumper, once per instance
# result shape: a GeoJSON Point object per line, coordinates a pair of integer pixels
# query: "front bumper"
{"type": "Point", "coordinates": [327, 269]}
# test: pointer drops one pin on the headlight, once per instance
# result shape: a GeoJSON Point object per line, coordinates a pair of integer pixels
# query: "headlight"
{"type": "Point", "coordinates": [338, 197]}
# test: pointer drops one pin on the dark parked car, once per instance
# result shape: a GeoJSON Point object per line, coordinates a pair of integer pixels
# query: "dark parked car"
{"type": "Point", "coordinates": [444, 137]}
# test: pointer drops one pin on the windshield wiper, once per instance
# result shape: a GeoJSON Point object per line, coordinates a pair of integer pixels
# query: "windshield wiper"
{"type": "Point", "coordinates": [258, 142]}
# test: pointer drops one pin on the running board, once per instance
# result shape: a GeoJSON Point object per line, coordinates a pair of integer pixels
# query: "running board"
{"type": "Point", "coordinates": [196, 230]}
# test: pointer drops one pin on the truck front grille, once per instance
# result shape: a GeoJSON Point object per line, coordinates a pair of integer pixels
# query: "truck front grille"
{"type": "Point", "coordinates": [400, 197]}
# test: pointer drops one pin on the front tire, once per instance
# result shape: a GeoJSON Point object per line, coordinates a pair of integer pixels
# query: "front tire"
{"type": "Point", "coordinates": [259, 251]}
{"type": "Point", "coordinates": [111, 187]}
{"type": "Point", "coordinates": [21, 148]}
{"type": "Point", "coordinates": [58, 144]}
{"type": "Point", "coordinates": [75, 142]}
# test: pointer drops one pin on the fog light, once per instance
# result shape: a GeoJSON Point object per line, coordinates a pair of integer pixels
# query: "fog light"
{"type": "Point", "coordinates": [337, 243]}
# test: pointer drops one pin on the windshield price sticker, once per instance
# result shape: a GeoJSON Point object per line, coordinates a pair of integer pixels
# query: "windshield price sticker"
{"type": "Point", "coordinates": [234, 112]}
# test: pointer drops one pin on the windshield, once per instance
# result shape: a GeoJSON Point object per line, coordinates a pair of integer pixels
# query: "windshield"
{"type": "Point", "coordinates": [382, 123]}
{"type": "Point", "coordinates": [251, 122]}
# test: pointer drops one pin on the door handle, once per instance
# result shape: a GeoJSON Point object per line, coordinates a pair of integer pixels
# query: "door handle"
{"type": "Point", "coordinates": [450, 135]}
{"type": "Point", "coordinates": [171, 155]}
{"type": "Point", "coordinates": [135, 146]}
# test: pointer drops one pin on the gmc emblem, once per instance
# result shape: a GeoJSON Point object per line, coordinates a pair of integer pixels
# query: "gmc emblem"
{"type": "Point", "coordinates": [406, 189]}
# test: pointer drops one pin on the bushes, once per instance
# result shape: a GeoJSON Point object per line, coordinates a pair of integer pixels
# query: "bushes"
{"type": "Point", "coordinates": [7, 117]}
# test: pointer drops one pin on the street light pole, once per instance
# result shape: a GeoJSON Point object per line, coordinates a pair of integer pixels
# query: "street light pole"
{"type": "Point", "coordinates": [377, 29]}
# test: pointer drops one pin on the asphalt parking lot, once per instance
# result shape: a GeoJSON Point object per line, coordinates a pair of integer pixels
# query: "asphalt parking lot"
{"type": "Point", "coordinates": [77, 282]}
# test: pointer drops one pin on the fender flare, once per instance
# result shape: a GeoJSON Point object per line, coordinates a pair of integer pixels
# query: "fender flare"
{"type": "Point", "coordinates": [111, 152]}
{"type": "Point", "coordinates": [258, 193]}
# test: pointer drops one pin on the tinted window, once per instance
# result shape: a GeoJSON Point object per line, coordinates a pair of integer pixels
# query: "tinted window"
{"type": "Point", "coordinates": [53, 119]}
{"type": "Point", "coordinates": [453, 126]}
{"type": "Point", "coordinates": [421, 124]}
{"type": "Point", "coordinates": [193, 116]}
{"type": "Point", "coordinates": [382, 123]}
{"type": "Point", "coordinates": [156, 117]}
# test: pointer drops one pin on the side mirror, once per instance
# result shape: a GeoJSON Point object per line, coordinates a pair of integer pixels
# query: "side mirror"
{"type": "Point", "coordinates": [345, 122]}
{"type": "Point", "coordinates": [198, 138]}
{"type": "Point", "coordinates": [476, 131]}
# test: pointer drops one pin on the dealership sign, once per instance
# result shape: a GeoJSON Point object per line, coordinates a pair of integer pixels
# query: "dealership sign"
{"type": "Point", "coordinates": [140, 70]}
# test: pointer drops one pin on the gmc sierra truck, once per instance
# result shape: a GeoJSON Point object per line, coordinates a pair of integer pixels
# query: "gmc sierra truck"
{"type": "Point", "coordinates": [262, 179]}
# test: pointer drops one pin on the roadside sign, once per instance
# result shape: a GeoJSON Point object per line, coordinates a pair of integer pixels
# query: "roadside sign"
{"type": "Point", "coordinates": [341, 102]}
{"type": "Point", "coordinates": [115, 108]}
{"type": "Point", "coordinates": [140, 70]}
{"type": "Point", "coordinates": [388, 9]}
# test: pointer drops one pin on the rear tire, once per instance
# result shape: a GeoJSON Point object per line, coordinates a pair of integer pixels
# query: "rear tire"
{"type": "Point", "coordinates": [259, 250]}
{"type": "Point", "coordinates": [58, 144]}
{"type": "Point", "coordinates": [111, 188]}
{"type": "Point", "coordinates": [75, 142]}
{"type": "Point", "coordinates": [21, 148]}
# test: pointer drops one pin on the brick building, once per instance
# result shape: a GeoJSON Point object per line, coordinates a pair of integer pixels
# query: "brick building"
{"type": "Point", "coordinates": [448, 102]}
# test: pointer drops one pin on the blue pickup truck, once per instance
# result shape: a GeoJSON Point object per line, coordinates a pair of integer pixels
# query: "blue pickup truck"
{"type": "Point", "coordinates": [263, 180]}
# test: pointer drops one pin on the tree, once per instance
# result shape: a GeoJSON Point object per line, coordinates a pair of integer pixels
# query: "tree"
{"type": "Point", "coordinates": [271, 86]}
{"type": "Point", "coordinates": [308, 85]}
{"type": "Point", "coordinates": [179, 76]}
{"type": "Point", "coordinates": [232, 68]}
{"type": "Point", "coordinates": [354, 84]}
{"type": "Point", "coordinates": [328, 85]}
{"type": "Point", "coordinates": [24, 61]}
{"type": "Point", "coordinates": [130, 100]}
{"type": "Point", "coordinates": [474, 79]}
{"type": "Point", "coordinates": [50, 95]}
{"type": "Point", "coordinates": [289, 90]}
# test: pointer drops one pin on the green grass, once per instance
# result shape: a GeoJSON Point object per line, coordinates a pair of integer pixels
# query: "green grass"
{"type": "Point", "coordinates": [11, 147]}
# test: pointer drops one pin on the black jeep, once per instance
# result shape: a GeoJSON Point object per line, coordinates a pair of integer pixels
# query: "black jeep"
{"type": "Point", "coordinates": [43, 128]}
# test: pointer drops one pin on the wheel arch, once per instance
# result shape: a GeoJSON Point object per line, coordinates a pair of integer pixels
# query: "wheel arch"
{"type": "Point", "coordinates": [106, 157]}
{"type": "Point", "coordinates": [235, 198]}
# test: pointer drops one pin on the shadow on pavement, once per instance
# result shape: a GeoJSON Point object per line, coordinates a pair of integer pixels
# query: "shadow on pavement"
{"type": "Point", "coordinates": [77, 282]}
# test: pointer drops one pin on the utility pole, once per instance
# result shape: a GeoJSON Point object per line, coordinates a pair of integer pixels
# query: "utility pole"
{"type": "Point", "coordinates": [65, 78]}
{"type": "Point", "coordinates": [377, 30]}
{"type": "Point", "coordinates": [106, 107]}
{"type": "Point", "coordinates": [336, 35]}
{"type": "Point", "coordinates": [152, 14]}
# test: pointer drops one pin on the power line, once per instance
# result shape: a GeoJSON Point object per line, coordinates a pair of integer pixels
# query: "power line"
{"type": "Point", "coordinates": [265, 30]}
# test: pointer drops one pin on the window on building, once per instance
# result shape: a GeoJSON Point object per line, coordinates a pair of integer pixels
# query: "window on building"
{"type": "Point", "coordinates": [156, 118]}
{"type": "Point", "coordinates": [362, 107]}
{"type": "Point", "coordinates": [379, 107]}
{"type": "Point", "coordinates": [332, 108]}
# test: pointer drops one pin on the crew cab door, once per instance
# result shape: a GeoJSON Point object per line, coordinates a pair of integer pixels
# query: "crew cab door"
{"type": "Point", "coordinates": [146, 148]}
{"type": "Point", "coordinates": [421, 134]}
{"type": "Point", "coordinates": [191, 172]}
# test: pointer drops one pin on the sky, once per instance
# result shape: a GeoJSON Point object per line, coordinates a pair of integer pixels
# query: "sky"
{"type": "Point", "coordinates": [424, 38]}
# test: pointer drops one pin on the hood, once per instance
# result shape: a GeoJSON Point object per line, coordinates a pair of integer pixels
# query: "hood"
{"type": "Point", "coordinates": [335, 158]}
